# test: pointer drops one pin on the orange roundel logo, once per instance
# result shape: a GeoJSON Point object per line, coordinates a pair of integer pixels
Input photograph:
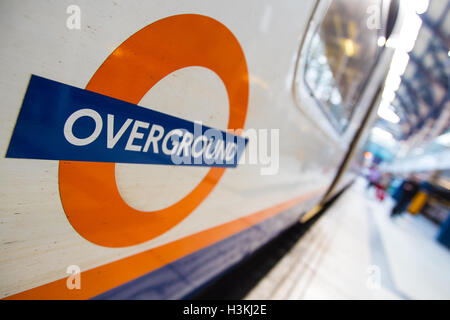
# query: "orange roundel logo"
{"type": "Point", "coordinates": [88, 190]}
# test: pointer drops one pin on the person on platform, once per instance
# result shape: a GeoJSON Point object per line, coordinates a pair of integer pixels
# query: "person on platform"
{"type": "Point", "coordinates": [374, 176]}
{"type": "Point", "coordinates": [404, 195]}
{"type": "Point", "coordinates": [382, 185]}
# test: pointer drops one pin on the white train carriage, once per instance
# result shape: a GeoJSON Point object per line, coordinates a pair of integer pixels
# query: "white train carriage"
{"type": "Point", "coordinates": [92, 201]}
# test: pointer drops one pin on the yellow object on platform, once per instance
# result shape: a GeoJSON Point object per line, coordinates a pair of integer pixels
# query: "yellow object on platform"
{"type": "Point", "coordinates": [418, 202]}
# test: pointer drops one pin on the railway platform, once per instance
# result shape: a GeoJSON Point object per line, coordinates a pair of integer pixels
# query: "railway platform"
{"type": "Point", "coordinates": [357, 251]}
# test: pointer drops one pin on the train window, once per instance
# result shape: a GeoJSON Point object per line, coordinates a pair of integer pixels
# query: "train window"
{"type": "Point", "coordinates": [339, 58]}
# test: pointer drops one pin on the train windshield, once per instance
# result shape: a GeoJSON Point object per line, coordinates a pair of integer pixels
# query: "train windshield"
{"type": "Point", "coordinates": [341, 55]}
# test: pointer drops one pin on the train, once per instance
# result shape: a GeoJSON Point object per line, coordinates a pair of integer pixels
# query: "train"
{"type": "Point", "coordinates": [93, 204]}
